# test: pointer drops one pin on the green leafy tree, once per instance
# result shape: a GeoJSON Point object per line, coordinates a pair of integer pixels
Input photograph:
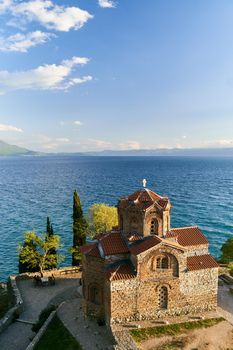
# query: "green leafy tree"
{"type": "Point", "coordinates": [35, 251]}
{"type": "Point", "coordinates": [227, 251]}
{"type": "Point", "coordinates": [24, 266]}
{"type": "Point", "coordinates": [79, 229]}
{"type": "Point", "coordinates": [102, 218]}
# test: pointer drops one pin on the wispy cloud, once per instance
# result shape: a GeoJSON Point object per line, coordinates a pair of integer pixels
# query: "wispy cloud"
{"type": "Point", "coordinates": [107, 3]}
{"type": "Point", "coordinates": [5, 127]}
{"type": "Point", "coordinates": [130, 145]}
{"type": "Point", "coordinates": [47, 13]}
{"type": "Point", "coordinates": [227, 142]}
{"type": "Point", "coordinates": [45, 77]}
{"type": "Point", "coordinates": [77, 122]}
{"type": "Point", "coordinates": [4, 5]}
{"type": "Point", "coordinates": [22, 42]}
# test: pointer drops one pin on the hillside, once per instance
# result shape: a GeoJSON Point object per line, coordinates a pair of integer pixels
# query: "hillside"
{"type": "Point", "coordinates": [11, 150]}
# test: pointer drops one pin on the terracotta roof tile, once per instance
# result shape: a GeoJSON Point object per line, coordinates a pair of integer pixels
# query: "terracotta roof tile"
{"type": "Point", "coordinates": [90, 250]}
{"type": "Point", "coordinates": [113, 243]}
{"type": "Point", "coordinates": [95, 252]}
{"type": "Point", "coordinates": [187, 236]}
{"type": "Point", "coordinates": [87, 248]}
{"type": "Point", "coordinates": [145, 244]}
{"type": "Point", "coordinates": [143, 199]}
{"type": "Point", "coordinates": [199, 262]}
{"type": "Point", "coordinates": [120, 272]}
{"type": "Point", "coordinates": [163, 202]}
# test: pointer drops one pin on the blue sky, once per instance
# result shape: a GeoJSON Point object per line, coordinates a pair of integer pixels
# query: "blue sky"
{"type": "Point", "coordinates": [97, 74]}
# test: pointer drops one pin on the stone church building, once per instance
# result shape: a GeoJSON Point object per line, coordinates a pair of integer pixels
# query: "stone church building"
{"type": "Point", "coordinates": [145, 269]}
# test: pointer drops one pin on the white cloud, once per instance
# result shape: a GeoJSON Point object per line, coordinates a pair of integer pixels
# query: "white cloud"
{"type": "Point", "coordinates": [62, 140]}
{"type": "Point", "coordinates": [4, 5]}
{"type": "Point", "coordinates": [48, 14]}
{"type": "Point", "coordinates": [77, 122]}
{"type": "Point", "coordinates": [96, 144]}
{"type": "Point", "coordinates": [22, 42]}
{"type": "Point", "coordinates": [107, 3]}
{"type": "Point", "coordinates": [130, 145]}
{"type": "Point", "coordinates": [225, 142]}
{"type": "Point", "coordinates": [5, 127]}
{"type": "Point", "coordinates": [45, 77]}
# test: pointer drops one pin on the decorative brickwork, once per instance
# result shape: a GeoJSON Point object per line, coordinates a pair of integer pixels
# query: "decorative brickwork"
{"type": "Point", "coordinates": [146, 270]}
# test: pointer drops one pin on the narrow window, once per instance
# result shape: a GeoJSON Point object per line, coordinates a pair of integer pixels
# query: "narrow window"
{"type": "Point", "coordinates": [154, 227]}
{"type": "Point", "coordinates": [163, 297]}
{"type": "Point", "coordinates": [164, 263]}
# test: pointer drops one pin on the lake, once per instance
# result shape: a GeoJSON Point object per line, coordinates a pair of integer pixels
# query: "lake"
{"type": "Point", "coordinates": [32, 188]}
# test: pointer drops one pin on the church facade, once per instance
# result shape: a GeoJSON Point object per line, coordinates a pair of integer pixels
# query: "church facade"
{"type": "Point", "coordinates": [145, 269]}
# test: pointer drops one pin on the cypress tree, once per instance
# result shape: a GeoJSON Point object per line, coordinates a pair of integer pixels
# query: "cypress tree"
{"type": "Point", "coordinates": [79, 228]}
{"type": "Point", "coordinates": [48, 227]}
{"type": "Point", "coordinates": [50, 233]}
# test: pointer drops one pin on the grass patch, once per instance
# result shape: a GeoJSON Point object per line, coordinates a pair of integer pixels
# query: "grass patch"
{"type": "Point", "coordinates": [173, 345]}
{"type": "Point", "coordinates": [142, 334]}
{"type": "Point", "coordinates": [57, 337]}
{"type": "Point", "coordinates": [4, 301]}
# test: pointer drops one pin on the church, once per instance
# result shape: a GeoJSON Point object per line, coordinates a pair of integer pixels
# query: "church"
{"type": "Point", "coordinates": [144, 269]}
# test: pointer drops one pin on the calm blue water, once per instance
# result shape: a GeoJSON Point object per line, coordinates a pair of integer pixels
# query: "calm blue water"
{"type": "Point", "coordinates": [200, 189]}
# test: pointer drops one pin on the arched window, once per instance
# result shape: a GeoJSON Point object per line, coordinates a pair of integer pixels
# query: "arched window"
{"type": "Point", "coordinates": [154, 227]}
{"type": "Point", "coordinates": [163, 297]}
{"type": "Point", "coordinates": [95, 294]}
{"type": "Point", "coordinates": [162, 262]}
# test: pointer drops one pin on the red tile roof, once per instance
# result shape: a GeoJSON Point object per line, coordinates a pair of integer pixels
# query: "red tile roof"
{"type": "Point", "coordinates": [90, 250]}
{"type": "Point", "coordinates": [87, 248]}
{"type": "Point", "coordinates": [144, 199]}
{"type": "Point", "coordinates": [113, 243]}
{"type": "Point", "coordinates": [120, 272]}
{"type": "Point", "coordinates": [95, 252]}
{"type": "Point", "coordinates": [187, 236]}
{"type": "Point", "coordinates": [199, 262]}
{"type": "Point", "coordinates": [142, 246]}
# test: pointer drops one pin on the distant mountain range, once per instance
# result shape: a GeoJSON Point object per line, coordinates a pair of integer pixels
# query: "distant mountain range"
{"type": "Point", "coordinates": [12, 150]}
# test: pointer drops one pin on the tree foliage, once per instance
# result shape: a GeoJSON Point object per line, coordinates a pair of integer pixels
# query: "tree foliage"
{"type": "Point", "coordinates": [227, 251]}
{"type": "Point", "coordinates": [23, 265]}
{"type": "Point", "coordinates": [102, 218]}
{"type": "Point", "coordinates": [79, 228]}
{"type": "Point", "coordinates": [35, 251]}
